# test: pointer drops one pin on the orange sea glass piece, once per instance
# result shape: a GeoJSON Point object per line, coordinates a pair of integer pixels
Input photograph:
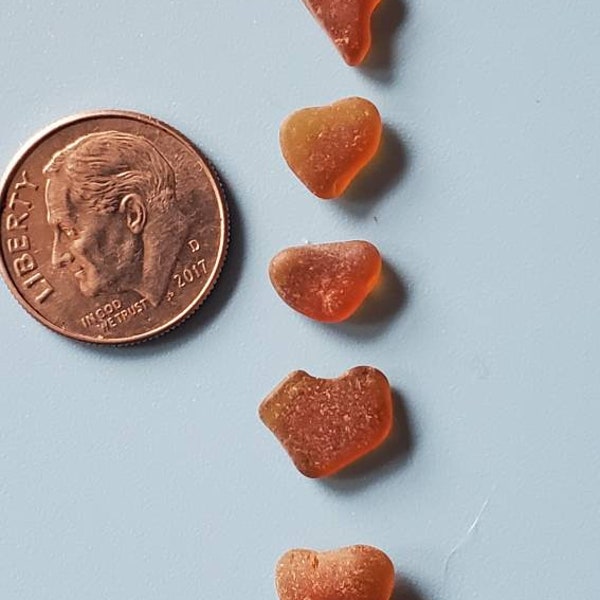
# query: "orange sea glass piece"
{"type": "Point", "coordinates": [326, 282]}
{"type": "Point", "coordinates": [351, 573]}
{"type": "Point", "coordinates": [327, 146]}
{"type": "Point", "coordinates": [348, 24]}
{"type": "Point", "coordinates": [326, 424]}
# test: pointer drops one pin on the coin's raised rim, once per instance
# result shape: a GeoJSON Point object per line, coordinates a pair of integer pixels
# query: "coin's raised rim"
{"type": "Point", "coordinates": [51, 129]}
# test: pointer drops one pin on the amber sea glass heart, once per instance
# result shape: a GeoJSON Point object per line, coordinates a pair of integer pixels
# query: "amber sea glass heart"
{"type": "Point", "coordinates": [326, 424]}
{"type": "Point", "coordinates": [326, 147]}
{"type": "Point", "coordinates": [351, 573]}
{"type": "Point", "coordinates": [326, 282]}
{"type": "Point", "coordinates": [347, 23]}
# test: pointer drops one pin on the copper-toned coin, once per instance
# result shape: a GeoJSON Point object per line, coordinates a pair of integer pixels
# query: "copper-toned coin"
{"type": "Point", "coordinates": [114, 227]}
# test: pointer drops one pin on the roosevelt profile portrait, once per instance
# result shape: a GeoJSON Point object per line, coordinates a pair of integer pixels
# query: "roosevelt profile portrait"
{"type": "Point", "coordinates": [112, 204]}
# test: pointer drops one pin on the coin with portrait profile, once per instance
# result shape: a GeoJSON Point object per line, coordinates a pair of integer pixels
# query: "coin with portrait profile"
{"type": "Point", "coordinates": [114, 227]}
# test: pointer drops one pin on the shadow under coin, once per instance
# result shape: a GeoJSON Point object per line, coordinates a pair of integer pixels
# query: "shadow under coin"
{"type": "Point", "coordinates": [380, 62]}
{"type": "Point", "coordinates": [389, 456]}
{"type": "Point", "coordinates": [382, 305]}
{"type": "Point", "coordinates": [380, 176]}
{"type": "Point", "coordinates": [212, 306]}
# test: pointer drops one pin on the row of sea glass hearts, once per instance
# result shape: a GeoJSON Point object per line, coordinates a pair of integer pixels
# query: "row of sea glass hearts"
{"type": "Point", "coordinates": [326, 424]}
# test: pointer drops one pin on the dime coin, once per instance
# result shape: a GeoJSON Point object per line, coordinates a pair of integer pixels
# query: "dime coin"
{"type": "Point", "coordinates": [113, 229]}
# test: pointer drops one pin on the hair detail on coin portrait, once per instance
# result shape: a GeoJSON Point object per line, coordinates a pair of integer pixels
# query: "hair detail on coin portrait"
{"type": "Point", "coordinates": [117, 223]}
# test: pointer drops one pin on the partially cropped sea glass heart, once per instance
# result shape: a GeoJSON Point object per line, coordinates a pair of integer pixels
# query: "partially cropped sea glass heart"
{"type": "Point", "coordinates": [351, 573]}
{"type": "Point", "coordinates": [348, 24]}
{"type": "Point", "coordinates": [326, 424]}
{"type": "Point", "coordinates": [327, 146]}
{"type": "Point", "coordinates": [326, 282]}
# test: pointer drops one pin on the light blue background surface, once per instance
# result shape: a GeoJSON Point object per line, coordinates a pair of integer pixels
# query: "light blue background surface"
{"type": "Point", "coordinates": [144, 473]}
